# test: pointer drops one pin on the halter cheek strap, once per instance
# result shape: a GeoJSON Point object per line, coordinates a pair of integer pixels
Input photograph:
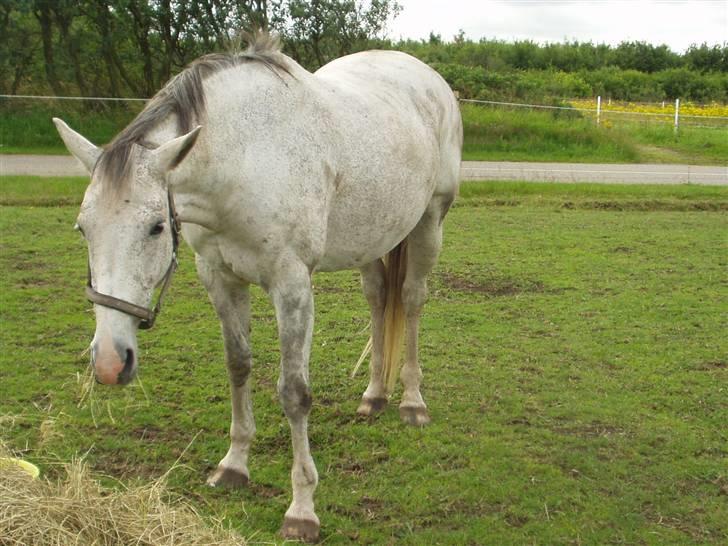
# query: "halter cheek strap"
{"type": "Point", "coordinates": [147, 316]}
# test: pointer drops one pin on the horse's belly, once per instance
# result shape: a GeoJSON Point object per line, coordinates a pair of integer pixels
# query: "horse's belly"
{"type": "Point", "coordinates": [366, 223]}
{"type": "Point", "coordinates": [387, 168]}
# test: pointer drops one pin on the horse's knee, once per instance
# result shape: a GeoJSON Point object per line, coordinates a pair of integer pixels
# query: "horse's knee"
{"type": "Point", "coordinates": [295, 396]}
{"type": "Point", "coordinates": [414, 295]}
{"type": "Point", "coordinates": [239, 358]}
{"type": "Point", "coordinates": [239, 371]}
{"type": "Point", "coordinates": [374, 292]}
{"type": "Point", "coordinates": [372, 281]}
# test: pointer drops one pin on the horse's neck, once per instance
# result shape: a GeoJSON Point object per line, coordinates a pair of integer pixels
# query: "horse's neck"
{"type": "Point", "coordinates": [196, 182]}
{"type": "Point", "coordinates": [191, 205]}
{"type": "Point", "coordinates": [163, 132]}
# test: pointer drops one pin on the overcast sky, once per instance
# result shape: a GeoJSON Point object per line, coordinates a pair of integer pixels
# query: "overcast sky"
{"type": "Point", "coordinates": [675, 23]}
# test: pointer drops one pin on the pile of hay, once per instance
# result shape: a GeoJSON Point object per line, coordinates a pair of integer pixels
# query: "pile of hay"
{"type": "Point", "coordinates": [77, 510]}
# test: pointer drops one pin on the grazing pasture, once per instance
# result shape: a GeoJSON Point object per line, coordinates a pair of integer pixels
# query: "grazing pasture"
{"type": "Point", "coordinates": [576, 370]}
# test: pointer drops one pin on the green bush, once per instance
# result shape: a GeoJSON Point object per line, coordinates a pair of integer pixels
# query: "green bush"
{"type": "Point", "coordinates": [524, 70]}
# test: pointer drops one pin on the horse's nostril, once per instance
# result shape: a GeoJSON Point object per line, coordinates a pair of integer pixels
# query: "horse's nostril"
{"type": "Point", "coordinates": [113, 364]}
{"type": "Point", "coordinates": [127, 374]}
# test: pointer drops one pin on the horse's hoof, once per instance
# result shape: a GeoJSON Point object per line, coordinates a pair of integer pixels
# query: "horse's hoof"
{"type": "Point", "coordinates": [300, 529]}
{"type": "Point", "coordinates": [227, 477]}
{"type": "Point", "coordinates": [370, 407]}
{"type": "Point", "coordinates": [416, 416]}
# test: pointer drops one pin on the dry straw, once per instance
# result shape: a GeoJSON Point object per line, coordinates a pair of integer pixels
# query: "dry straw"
{"type": "Point", "coordinates": [76, 510]}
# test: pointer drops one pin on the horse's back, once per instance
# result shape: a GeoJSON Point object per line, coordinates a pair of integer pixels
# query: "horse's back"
{"type": "Point", "coordinates": [400, 140]}
{"type": "Point", "coordinates": [383, 91]}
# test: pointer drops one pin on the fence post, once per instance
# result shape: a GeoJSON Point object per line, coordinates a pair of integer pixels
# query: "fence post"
{"type": "Point", "coordinates": [599, 108]}
{"type": "Point", "coordinates": [677, 115]}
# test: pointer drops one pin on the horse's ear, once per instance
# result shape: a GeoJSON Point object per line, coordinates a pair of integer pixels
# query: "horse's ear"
{"type": "Point", "coordinates": [170, 154]}
{"type": "Point", "coordinates": [84, 150]}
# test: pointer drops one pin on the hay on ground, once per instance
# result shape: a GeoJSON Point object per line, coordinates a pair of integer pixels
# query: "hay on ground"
{"type": "Point", "coordinates": [77, 510]}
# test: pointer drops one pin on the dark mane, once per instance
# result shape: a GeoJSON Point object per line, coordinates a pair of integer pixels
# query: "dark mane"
{"type": "Point", "coordinates": [184, 97]}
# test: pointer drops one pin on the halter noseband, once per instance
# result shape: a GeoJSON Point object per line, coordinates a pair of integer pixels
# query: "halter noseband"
{"type": "Point", "coordinates": [147, 316]}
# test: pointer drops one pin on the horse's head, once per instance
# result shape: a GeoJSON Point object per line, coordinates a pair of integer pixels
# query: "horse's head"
{"type": "Point", "coordinates": [128, 221]}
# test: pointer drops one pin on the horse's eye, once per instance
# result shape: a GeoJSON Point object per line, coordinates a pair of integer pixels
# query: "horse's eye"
{"type": "Point", "coordinates": [157, 229]}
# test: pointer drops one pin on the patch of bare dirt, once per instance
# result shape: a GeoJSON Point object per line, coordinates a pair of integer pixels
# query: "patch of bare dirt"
{"type": "Point", "coordinates": [122, 466]}
{"type": "Point", "coordinates": [329, 289]}
{"type": "Point", "coordinates": [153, 434]}
{"type": "Point", "coordinates": [494, 287]}
{"type": "Point", "coordinates": [373, 509]}
{"type": "Point", "coordinates": [712, 365]}
{"type": "Point", "coordinates": [515, 520]}
{"type": "Point", "coordinates": [265, 490]}
{"type": "Point", "coordinates": [689, 524]}
{"type": "Point", "coordinates": [649, 205]}
{"type": "Point", "coordinates": [590, 430]}
{"type": "Point", "coordinates": [650, 153]}
{"type": "Point", "coordinates": [30, 282]}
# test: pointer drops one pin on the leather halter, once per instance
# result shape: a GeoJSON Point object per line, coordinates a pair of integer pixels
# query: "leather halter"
{"type": "Point", "coordinates": [147, 316]}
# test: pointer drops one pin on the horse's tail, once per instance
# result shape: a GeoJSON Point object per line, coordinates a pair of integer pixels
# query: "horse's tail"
{"type": "Point", "coordinates": [395, 264]}
{"type": "Point", "coordinates": [395, 269]}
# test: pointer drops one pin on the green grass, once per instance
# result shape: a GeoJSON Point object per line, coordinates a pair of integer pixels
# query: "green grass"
{"type": "Point", "coordinates": [589, 191]}
{"type": "Point", "coordinates": [524, 135]}
{"type": "Point", "coordinates": [693, 145]}
{"type": "Point", "coordinates": [59, 191]}
{"type": "Point", "coordinates": [490, 134]}
{"type": "Point", "coordinates": [27, 127]}
{"type": "Point", "coordinates": [575, 368]}
{"type": "Point", "coordinates": [40, 191]}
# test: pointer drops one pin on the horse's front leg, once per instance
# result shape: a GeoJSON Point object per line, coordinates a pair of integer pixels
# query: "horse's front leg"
{"type": "Point", "coordinates": [231, 300]}
{"type": "Point", "coordinates": [293, 301]}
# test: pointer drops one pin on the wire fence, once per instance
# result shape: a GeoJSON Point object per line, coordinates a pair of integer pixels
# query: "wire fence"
{"type": "Point", "coordinates": [602, 114]}
{"type": "Point", "coordinates": [55, 97]}
{"type": "Point", "coordinates": [598, 109]}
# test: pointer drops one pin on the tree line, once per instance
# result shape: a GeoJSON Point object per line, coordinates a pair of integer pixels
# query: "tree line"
{"type": "Point", "coordinates": [123, 48]}
{"type": "Point", "coordinates": [569, 56]}
{"type": "Point", "coordinates": [131, 47]}
{"type": "Point", "coordinates": [524, 70]}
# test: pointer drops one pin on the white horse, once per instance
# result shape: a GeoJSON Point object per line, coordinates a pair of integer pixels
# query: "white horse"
{"type": "Point", "coordinates": [278, 173]}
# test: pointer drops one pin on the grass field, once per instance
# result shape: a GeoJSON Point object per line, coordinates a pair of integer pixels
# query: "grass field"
{"type": "Point", "coordinates": [567, 136]}
{"type": "Point", "coordinates": [26, 127]}
{"type": "Point", "coordinates": [575, 362]}
{"type": "Point", "coordinates": [490, 134]}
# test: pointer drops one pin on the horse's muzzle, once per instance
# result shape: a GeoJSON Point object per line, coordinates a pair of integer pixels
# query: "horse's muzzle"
{"type": "Point", "coordinates": [114, 363]}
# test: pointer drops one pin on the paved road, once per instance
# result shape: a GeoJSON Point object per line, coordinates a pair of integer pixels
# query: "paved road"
{"type": "Point", "coordinates": [58, 165]}
{"type": "Point", "coordinates": [594, 172]}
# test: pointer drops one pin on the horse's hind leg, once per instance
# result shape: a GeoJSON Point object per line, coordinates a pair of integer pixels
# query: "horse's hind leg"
{"type": "Point", "coordinates": [423, 249]}
{"type": "Point", "coordinates": [231, 300]}
{"type": "Point", "coordinates": [374, 399]}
